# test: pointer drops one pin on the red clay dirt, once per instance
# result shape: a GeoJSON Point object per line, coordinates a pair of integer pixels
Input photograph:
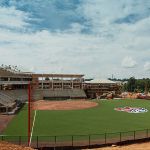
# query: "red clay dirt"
{"type": "Point", "coordinates": [63, 105]}
{"type": "Point", "coordinates": [9, 146]}
{"type": "Point", "coordinates": [138, 146]}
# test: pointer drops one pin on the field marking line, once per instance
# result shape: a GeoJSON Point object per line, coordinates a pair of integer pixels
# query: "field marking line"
{"type": "Point", "coordinates": [32, 127]}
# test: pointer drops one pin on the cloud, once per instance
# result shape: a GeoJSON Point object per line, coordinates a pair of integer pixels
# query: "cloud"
{"type": "Point", "coordinates": [129, 62]}
{"type": "Point", "coordinates": [147, 66]}
{"type": "Point", "coordinates": [51, 15]}
{"type": "Point", "coordinates": [12, 18]}
{"type": "Point", "coordinates": [76, 37]}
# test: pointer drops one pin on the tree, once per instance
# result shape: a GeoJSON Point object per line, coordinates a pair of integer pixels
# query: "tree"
{"type": "Point", "coordinates": [131, 85]}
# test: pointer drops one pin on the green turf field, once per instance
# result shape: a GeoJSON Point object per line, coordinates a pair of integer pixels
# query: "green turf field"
{"type": "Point", "coordinates": [100, 119]}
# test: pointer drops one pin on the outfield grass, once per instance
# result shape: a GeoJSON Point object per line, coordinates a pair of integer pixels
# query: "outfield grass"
{"type": "Point", "coordinates": [19, 125]}
{"type": "Point", "coordinates": [100, 119]}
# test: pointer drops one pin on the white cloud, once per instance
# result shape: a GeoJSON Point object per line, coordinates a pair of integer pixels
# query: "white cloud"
{"type": "Point", "coordinates": [147, 66]}
{"type": "Point", "coordinates": [76, 28]}
{"type": "Point", "coordinates": [12, 18]}
{"type": "Point", "coordinates": [96, 54]}
{"type": "Point", "coordinates": [129, 62]}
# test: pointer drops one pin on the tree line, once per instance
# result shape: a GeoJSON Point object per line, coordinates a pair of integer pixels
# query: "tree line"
{"type": "Point", "coordinates": [135, 85]}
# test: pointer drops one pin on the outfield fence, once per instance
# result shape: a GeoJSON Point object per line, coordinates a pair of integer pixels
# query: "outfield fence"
{"type": "Point", "coordinates": [73, 141]}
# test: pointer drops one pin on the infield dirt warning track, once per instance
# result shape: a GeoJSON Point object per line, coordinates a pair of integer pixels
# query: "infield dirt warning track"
{"type": "Point", "coordinates": [63, 105]}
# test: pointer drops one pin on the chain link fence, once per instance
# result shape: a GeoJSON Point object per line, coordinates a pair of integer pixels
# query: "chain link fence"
{"type": "Point", "coordinates": [78, 140]}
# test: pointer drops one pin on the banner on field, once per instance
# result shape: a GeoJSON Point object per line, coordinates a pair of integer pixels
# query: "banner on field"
{"type": "Point", "coordinates": [132, 109]}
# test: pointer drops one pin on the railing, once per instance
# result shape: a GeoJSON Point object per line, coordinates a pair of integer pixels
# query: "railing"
{"type": "Point", "coordinates": [14, 82]}
{"type": "Point", "coordinates": [79, 140]}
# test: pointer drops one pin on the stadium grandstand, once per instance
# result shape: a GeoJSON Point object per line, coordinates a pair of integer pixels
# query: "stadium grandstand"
{"type": "Point", "coordinates": [14, 87]}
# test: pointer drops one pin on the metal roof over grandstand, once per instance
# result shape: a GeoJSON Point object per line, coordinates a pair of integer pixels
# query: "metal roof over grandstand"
{"type": "Point", "coordinates": [59, 75]}
{"type": "Point", "coordinates": [8, 73]}
{"type": "Point", "coordinates": [101, 81]}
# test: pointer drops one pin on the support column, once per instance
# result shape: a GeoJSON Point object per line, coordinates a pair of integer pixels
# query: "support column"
{"type": "Point", "coordinates": [6, 109]}
{"type": "Point", "coordinates": [82, 86]}
{"type": "Point", "coordinates": [62, 83]}
{"type": "Point", "coordinates": [42, 81]}
{"type": "Point", "coordinates": [49, 83]}
{"type": "Point", "coordinates": [72, 82]}
{"type": "Point", "coordinates": [52, 83]}
{"type": "Point", "coordinates": [81, 81]}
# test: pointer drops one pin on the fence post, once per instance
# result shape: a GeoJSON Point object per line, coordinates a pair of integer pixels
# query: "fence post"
{"type": "Point", "coordinates": [37, 141]}
{"type": "Point", "coordinates": [147, 133]}
{"type": "Point", "coordinates": [55, 141]}
{"type": "Point", "coordinates": [89, 141]}
{"type": "Point", "coordinates": [105, 138]}
{"type": "Point", "coordinates": [134, 135]}
{"type": "Point", "coordinates": [72, 140]}
{"type": "Point", "coordinates": [19, 140]}
{"type": "Point", "coordinates": [120, 137]}
{"type": "Point", "coordinates": [2, 138]}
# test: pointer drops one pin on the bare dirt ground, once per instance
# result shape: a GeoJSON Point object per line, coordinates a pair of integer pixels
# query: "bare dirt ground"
{"type": "Point", "coordinates": [140, 146]}
{"type": "Point", "coordinates": [63, 105]}
{"type": "Point", "coordinates": [4, 120]}
{"type": "Point", "coordinates": [8, 146]}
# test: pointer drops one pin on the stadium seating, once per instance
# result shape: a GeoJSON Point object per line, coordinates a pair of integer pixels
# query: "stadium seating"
{"type": "Point", "coordinates": [7, 103]}
{"type": "Point", "coordinates": [5, 99]}
{"type": "Point", "coordinates": [65, 93]}
{"type": "Point", "coordinates": [21, 95]}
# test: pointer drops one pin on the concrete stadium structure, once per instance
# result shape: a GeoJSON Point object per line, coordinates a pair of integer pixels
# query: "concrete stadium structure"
{"type": "Point", "coordinates": [14, 87]}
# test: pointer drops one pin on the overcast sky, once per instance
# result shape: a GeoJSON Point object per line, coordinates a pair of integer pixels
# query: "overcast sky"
{"type": "Point", "coordinates": [97, 38]}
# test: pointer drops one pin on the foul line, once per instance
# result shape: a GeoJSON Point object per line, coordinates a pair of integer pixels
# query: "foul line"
{"type": "Point", "coordinates": [32, 127]}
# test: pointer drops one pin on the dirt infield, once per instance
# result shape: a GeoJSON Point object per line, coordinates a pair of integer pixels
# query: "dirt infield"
{"type": "Point", "coordinates": [63, 105]}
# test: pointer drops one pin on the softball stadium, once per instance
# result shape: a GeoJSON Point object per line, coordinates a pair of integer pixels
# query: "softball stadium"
{"type": "Point", "coordinates": [68, 111]}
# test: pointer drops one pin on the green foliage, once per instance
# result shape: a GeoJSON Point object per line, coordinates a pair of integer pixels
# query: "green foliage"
{"type": "Point", "coordinates": [137, 85]}
{"type": "Point", "coordinates": [134, 85]}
